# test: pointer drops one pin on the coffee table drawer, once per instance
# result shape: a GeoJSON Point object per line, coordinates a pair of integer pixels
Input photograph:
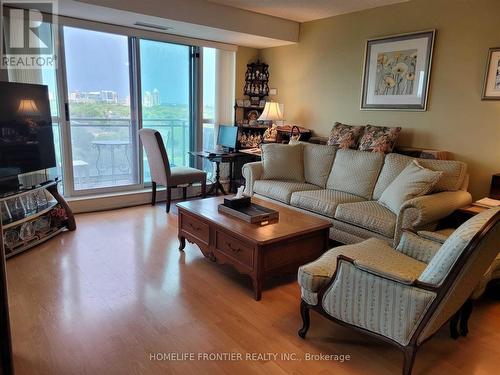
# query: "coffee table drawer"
{"type": "Point", "coordinates": [234, 248]}
{"type": "Point", "coordinates": [195, 227]}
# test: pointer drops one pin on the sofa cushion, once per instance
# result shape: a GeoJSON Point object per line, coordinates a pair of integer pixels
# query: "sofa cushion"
{"type": "Point", "coordinates": [412, 182]}
{"type": "Point", "coordinates": [280, 190]}
{"type": "Point", "coordinates": [322, 201]}
{"type": "Point", "coordinates": [318, 160]}
{"type": "Point", "coordinates": [454, 172]}
{"type": "Point", "coordinates": [345, 136]}
{"type": "Point", "coordinates": [369, 215]}
{"type": "Point", "coordinates": [283, 162]}
{"type": "Point", "coordinates": [379, 138]}
{"type": "Point", "coordinates": [355, 172]}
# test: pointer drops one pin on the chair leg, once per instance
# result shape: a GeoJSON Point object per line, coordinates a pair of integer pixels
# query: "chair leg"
{"type": "Point", "coordinates": [454, 325]}
{"type": "Point", "coordinates": [465, 313]}
{"type": "Point", "coordinates": [203, 188]}
{"type": "Point", "coordinates": [169, 198]}
{"type": "Point", "coordinates": [409, 359]}
{"type": "Point", "coordinates": [153, 197]}
{"type": "Point", "coordinates": [184, 193]}
{"type": "Point", "coordinates": [306, 322]}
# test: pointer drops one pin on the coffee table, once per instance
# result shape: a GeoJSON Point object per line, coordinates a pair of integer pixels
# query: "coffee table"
{"type": "Point", "coordinates": [261, 252]}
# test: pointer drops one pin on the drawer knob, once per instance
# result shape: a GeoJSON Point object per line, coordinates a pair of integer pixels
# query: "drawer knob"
{"type": "Point", "coordinates": [234, 249]}
{"type": "Point", "coordinates": [193, 227]}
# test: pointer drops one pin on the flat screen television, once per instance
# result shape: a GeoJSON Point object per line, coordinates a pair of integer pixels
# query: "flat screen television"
{"type": "Point", "coordinates": [26, 139]}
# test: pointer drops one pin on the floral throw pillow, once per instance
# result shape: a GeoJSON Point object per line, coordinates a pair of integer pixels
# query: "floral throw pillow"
{"type": "Point", "coordinates": [379, 138]}
{"type": "Point", "coordinates": [345, 136]}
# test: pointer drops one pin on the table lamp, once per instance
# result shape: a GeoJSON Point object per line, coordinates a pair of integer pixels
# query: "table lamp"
{"type": "Point", "coordinates": [272, 112]}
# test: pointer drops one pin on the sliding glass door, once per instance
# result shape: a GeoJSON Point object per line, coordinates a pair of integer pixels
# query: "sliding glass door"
{"type": "Point", "coordinates": [166, 98]}
{"type": "Point", "coordinates": [102, 127]}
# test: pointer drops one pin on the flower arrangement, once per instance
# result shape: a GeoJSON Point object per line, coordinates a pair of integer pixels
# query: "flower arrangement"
{"type": "Point", "coordinates": [396, 72]}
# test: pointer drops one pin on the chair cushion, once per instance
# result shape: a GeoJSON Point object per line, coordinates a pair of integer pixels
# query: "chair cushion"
{"type": "Point", "coordinates": [283, 162]}
{"type": "Point", "coordinates": [345, 136]}
{"type": "Point", "coordinates": [322, 201]}
{"type": "Point", "coordinates": [280, 190]}
{"type": "Point", "coordinates": [371, 253]}
{"type": "Point", "coordinates": [369, 215]}
{"type": "Point", "coordinates": [185, 175]}
{"type": "Point", "coordinates": [318, 160]}
{"type": "Point", "coordinates": [355, 172]}
{"type": "Point", "coordinates": [454, 172]}
{"type": "Point", "coordinates": [412, 182]}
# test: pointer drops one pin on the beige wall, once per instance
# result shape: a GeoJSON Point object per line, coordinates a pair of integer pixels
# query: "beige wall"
{"type": "Point", "coordinates": [319, 79]}
{"type": "Point", "coordinates": [244, 55]}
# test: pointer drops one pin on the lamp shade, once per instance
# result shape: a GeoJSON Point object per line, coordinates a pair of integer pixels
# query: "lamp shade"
{"type": "Point", "coordinates": [272, 112]}
{"type": "Point", "coordinates": [27, 107]}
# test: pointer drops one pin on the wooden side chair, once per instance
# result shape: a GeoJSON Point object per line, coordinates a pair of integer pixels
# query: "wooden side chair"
{"type": "Point", "coordinates": [403, 295]}
{"type": "Point", "coordinates": [162, 173]}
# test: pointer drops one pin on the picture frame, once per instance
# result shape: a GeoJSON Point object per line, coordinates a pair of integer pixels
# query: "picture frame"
{"type": "Point", "coordinates": [397, 71]}
{"type": "Point", "coordinates": [491, 87]}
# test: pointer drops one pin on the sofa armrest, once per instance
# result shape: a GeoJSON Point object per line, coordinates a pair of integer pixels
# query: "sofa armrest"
{"type": "Point", "coordinates": [251, 172]}
{"type": "Point", "coordinates": [417, 213]}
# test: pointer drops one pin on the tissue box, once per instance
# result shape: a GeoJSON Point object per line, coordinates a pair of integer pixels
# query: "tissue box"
{"type": "Point", "coordinates": [237, 202]}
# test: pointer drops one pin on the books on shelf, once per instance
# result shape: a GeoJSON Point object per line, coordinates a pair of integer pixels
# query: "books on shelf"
{"type": "Point", "coordinates": [487, 202]}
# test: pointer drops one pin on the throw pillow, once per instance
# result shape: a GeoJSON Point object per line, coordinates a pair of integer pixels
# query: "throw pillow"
{"type": "Point", "coordinates": [412, 182]}
{"type": "Point", "coordinates": [379, 138]}
{"type": "Point", "coordinates": [345, 136]}
{"type": "Point", "coordinates": [283, 162]}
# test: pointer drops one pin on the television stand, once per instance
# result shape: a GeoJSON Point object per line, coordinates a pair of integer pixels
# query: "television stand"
{"type": "Point", "coordinates": [32, 216]}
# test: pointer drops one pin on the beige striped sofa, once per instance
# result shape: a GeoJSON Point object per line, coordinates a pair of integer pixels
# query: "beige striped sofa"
{"type": "Point", "coordinates": [345, 185]}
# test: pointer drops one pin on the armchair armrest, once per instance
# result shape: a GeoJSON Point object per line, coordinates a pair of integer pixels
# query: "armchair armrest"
{"type": "Point", "coordinates": [417, 213]}
{"type": "Point", "coordinates": [358, 297]}
{"type": "Point", "coordinates": [418, 247]}
{"type": "Point", "coordinates": [438, 236]}
{"type": "Point", "coordinates": [251, 172]}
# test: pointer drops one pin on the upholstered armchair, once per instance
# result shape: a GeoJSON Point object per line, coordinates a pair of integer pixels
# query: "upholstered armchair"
{"type": "Point", "coordinates": [161, 171]}
{"type": "Point", "coordinates": [402, 295]}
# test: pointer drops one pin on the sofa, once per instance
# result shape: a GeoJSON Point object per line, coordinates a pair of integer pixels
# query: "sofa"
{"type": "Point", "coordinates": [345, 186]}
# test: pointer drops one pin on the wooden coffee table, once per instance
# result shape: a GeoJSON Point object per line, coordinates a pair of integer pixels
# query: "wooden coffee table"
{"type": "Point", "coordinates": [261, 252]}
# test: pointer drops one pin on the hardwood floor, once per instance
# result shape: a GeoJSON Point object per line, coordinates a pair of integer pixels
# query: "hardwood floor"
{"type": "Point", "coordinates": [101, 299]}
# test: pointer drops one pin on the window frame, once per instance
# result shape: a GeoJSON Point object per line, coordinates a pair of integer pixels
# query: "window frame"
{"type": "Point", "coordinates": [134, 37]}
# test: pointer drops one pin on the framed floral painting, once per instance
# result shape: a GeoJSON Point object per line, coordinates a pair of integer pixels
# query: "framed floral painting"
{"type": "Point", "coordinates": [397, 72]}
{"type": "Point", "coordinates": [491, 89]}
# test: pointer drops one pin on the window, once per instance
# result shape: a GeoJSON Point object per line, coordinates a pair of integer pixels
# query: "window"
{"type": "Point", "coordinates": [166, 98]}
{"type": "Point", "coordinates": [103, 136]}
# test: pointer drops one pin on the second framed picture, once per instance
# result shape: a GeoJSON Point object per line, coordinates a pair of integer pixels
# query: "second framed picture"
{"type": "Point", "coordinates": [491, 89]}
{"type": "Point", "coordinates": [397, 72]}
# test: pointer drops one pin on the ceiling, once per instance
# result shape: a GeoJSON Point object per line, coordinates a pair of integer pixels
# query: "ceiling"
{"type": "Point", "coordinates": [305, 10]}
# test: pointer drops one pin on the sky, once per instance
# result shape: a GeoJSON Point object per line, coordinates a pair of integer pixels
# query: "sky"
{"type": "Point", "coordinates": [98, 61]}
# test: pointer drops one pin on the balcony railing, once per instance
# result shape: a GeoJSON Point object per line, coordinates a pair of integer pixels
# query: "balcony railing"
{"type": "Point", "coordinates": [105, 149]}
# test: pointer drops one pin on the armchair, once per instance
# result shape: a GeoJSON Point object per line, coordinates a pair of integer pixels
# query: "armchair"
{"type": "Point", "coordinates": [401, 295]}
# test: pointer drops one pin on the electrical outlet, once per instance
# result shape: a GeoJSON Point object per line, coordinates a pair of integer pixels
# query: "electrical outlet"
{"type": "Point", "coordinates": [273, 91]}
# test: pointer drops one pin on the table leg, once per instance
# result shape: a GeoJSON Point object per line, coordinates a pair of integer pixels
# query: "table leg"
{"type": "Point", "coordinates": [182, 243]}
{"type": "Point", "coordinates": [257, 288]}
